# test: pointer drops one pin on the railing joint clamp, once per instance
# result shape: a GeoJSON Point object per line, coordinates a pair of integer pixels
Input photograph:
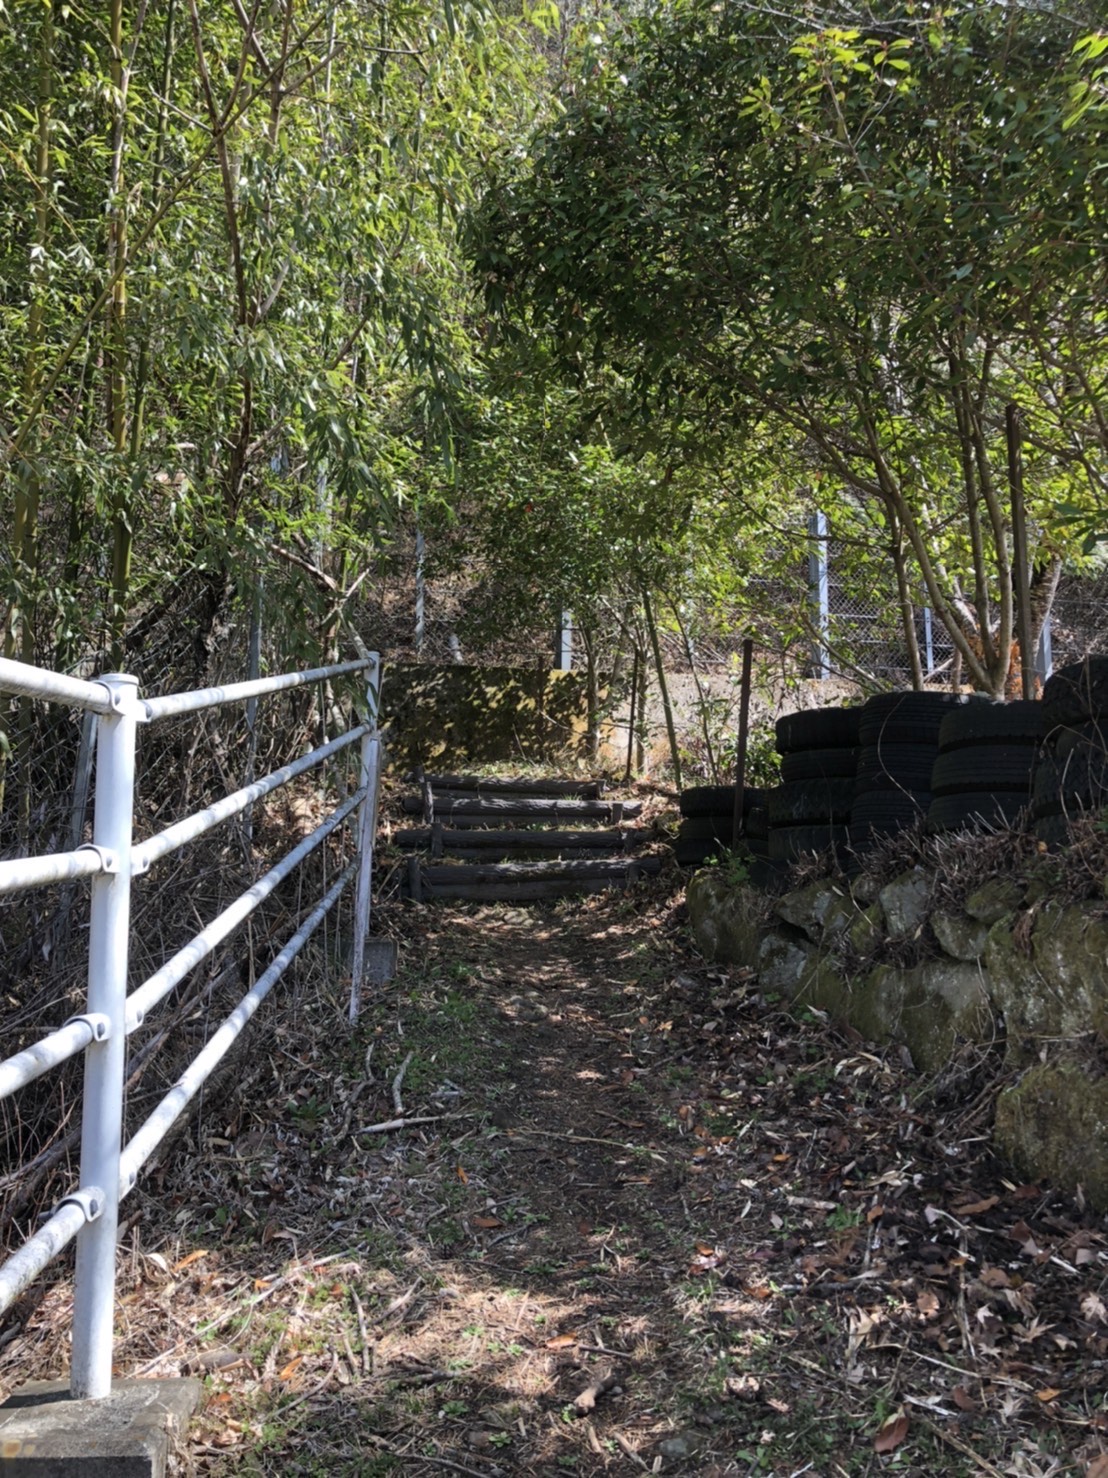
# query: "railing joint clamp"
{"type": "Point", "coordinates": [90, 1199]}
{"type": "Point", "coordinates": [109, 860]}
{"type": "Point", "coordinates": [98, 1024]}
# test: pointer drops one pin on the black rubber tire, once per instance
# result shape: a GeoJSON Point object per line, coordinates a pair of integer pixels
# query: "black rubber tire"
{"type": "Point", "coordinates": [689, 853]}
{"type": "Point", "coordinates": [787, 843]}
{"type": "Point", "coordinates": [706, 828]}
{"type": "Point", "coordinates": [818, 728]}
{"type": "Point", "coordinates": [757, 822]}
{"type": "Point", "coordinates": [818, 764]}
{"type": "Point", "coordinates": [883, 765]}
{"type": "Point", "coordinates": [975, 811]}
{"type": "Point", "coordinates": [810, 800]}
{"type": "Point", "coordinates": [889, 809]}
{"type": "Point", "coordinates": [983, 767]}
{"type": "Point", "coordinates": [716, 800]}
{"type": "Point", "coordinates": [1053, 830]}
{"type": "Point", "coordinates": [907, 718]}
{"type": "Point", "coordinates": [1017, 723]}
{"type": "Point", "coordinates": [766, 875]}
{"type": "Point", "coordinates": [1079, 781]}
{"type": "Point", "coordinates": [1088, 740]}
{"type": "Point", "coordinates": [1075, 693]}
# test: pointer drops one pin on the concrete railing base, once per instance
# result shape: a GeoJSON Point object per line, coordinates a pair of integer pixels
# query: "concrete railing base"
{"type": "Point", "coordinates": [44, 1433]}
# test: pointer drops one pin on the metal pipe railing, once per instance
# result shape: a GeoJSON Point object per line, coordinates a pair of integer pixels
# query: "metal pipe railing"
{"type": "Point", "coordinates": [200, 946]}
{"type": "Point", "coordinates": [108, 1170]}
{"type": "Point", "coordinates": [40, 1250]}
{"type": "Point", "coordinates": [156, 847]}
{"type": "Point", "coordinates": [50, 1052]}
{"type": "Point", "coordinates": [169, 1110]}
{"type": "Point", "coordinates": [55, 687]}
{"type": "Point", "coordinates": [177, 703]}
{"type": "Point", "coordinates": [19, 874]}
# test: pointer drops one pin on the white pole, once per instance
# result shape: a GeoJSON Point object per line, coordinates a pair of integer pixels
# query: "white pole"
{"type": "Point", "coordinates": [367, 827]}
{"type": "Point", "coordinates": [102, 1115]}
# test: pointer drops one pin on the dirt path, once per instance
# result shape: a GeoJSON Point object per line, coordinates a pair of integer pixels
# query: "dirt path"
{"type": "Point", "coordinates": [649, 1224]}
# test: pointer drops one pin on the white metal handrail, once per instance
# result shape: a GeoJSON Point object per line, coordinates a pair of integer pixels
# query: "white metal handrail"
{"type": "Point", "coordinates": [201, 945]}
{"type": "Point", "coordinates": [108, 1170]}
{"type": "Point", "coordinates": [18, 875]}
{"type": "Point", "coordinates": [178, 703]}
{"type": "Point", "coordinates": [35, 682]}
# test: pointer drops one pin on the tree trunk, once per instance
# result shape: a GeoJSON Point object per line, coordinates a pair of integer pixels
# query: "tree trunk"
{"type": "Point", "coordinates": [667, 707]}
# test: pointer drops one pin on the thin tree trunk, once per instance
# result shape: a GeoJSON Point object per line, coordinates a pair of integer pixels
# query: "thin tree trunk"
{"type": "Point", "coordinates": [702, 701]}
{"type": "Point", "coordinates": [663, 689]}
{"type": "Point", "coordinates": [592, 697]}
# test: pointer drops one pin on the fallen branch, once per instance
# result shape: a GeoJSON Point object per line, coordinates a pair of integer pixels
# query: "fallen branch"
{"type": "Point", "coordinates": [616, 1144]}
{"type": "Point", "coordinates": [963, 1447]}
{"type": "Point", "coordinates": [389, 1124]}
{"type": "Point", "coordinates": [367, 1359]}
{"type": "Point", "coordinates": [397, 1101]}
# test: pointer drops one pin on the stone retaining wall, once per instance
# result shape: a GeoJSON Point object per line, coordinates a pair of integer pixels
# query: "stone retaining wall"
{"type": "Point", "coordinates": [1008, 967]}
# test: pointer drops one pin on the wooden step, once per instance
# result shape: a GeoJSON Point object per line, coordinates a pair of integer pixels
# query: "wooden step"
{"type": "Point", "coordinates": [459, 843]}
{"type": "Point", "coordinates": [525, 881]}
{"type": "Point", "coordinates": [480, 810]}
{"type": "Point", "coordinates": [586, 790]}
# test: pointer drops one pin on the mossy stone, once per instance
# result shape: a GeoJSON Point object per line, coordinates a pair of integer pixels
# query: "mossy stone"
{"type": "Point", "coordinates": [826, 989]}
{"type": "Point", "coordinates": [728, 919]}
{"type": "Point", "coordinates": [989, 903]}
{"type": "Point", "coordinates": [868, 929]}
{"type": "Point", "coordinates": [784, 965]}
{"type": "Point", "coordinates": [931, 1009]}
{"type": "Point", "coordinates": [959, 936]}
{"type": "Point", "coordinates": [877, 1004]}
{"type": "Point", "coordinates": [1053, 986]}
{"type": "Point", "coordinates": [1053, 1124]}
{"type": "Point", "coordinates": [945, 1003]}
{"type": "Point", "coordinates": [904, 902]}
{"type": "Point", "coordinates": [810, 907]}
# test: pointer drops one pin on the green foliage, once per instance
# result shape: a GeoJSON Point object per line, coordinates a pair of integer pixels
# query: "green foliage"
{"type": "Point", "coordinates": [826, 257]}
{"type": "Point", "coordinates": [233, 315]}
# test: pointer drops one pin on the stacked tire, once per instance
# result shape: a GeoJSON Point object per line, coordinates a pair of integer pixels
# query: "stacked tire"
{"type": "Point", "coordinates": [898, 746]}
{"type": "Point", "coordinates": [982, 777]}
{"type": "Point", "coordinates": [810, 810]}
{"type": "Point", "coordinates": [1071, 776]}
{"type": "Point", "coordinates": [707, 823]}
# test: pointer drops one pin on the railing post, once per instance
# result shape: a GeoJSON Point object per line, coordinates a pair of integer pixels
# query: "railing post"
{"type": "Point", "coordinates": [369, 779]}
{"type": "Point", "coordinates": [102, 1120]}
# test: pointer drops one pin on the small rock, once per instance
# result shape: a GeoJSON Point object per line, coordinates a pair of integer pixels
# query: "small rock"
{"type": "Point", "coordinates": [904, 901]}
{"type": "Point", "coordinates": [808, 908]}
{"type": "Point", "coordinates": [959, 936]}
{"type": "Point", "coordinates": [783, 964]}
{"type": "Point", "coordinates": [676, 1449]}
{"type": "Point", "coordinates": [865, 889]}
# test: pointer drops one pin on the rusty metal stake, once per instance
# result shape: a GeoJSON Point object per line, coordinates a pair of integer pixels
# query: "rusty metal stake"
{"type": "Point", "coordinates": [631, 720]}
{"type": "Point", "coordinates": [1021, 563]}
{"type": "Point", "coordinates": [740, 754]}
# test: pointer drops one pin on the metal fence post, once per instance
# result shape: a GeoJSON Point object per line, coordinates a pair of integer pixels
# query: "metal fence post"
{"type": "Point", "coordinates": [102, 1113]}
{"type": "Point", "coordinates": [369, 779]}
{"type": "Point", "coordinates": [563, 643]}
{"type": "Point", "coordinates": [819, 593]}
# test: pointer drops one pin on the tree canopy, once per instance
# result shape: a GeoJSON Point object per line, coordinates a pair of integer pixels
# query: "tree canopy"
{"type": "Point", "coordinates": [856, 237]}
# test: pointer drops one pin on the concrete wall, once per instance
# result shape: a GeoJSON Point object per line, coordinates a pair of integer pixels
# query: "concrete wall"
{"type": "Point", "coordinates": [441, 717]}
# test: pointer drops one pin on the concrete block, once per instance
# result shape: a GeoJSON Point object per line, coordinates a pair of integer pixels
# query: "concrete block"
{"type": "Point", "coordinates": [44, 1433]}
